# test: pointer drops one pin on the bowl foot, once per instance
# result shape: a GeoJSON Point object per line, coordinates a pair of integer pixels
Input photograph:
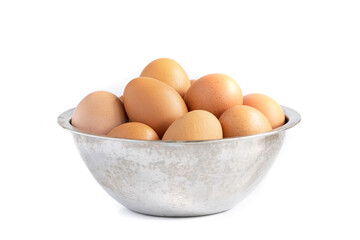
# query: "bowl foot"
{"type": "Point", "coordinates": [177, 215]}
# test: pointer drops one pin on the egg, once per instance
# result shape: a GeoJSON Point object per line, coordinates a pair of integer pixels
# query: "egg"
{"type": "Point", "coordinates": [192, 81]}
{"type": "Point", "coordinates": [194, 125]}
{"type": "Point", "coordinates": [153, 103]}
{"type": "Point", "coordinates": [268, 106]}
{"type": "Point", "coordinates": [121, 99]}
{"type": "Point", "coordinates": [134, 130]}
{"type": "Point", "coordinates": [243, 120]}
{"type": "Point", "coordinates": [214, 93]}
{"type": "Point", "coordinates": [98, 113]}
{"type": "Point", "coordinates": [169, 72]}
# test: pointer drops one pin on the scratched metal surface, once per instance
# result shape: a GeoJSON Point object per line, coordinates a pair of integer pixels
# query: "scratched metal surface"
{"type": "Point", "coordinates": [178, 178]}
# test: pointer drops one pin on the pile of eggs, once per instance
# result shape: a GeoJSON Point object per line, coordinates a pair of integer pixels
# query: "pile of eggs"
{"type": "Point", "coordinates": [164, 104]}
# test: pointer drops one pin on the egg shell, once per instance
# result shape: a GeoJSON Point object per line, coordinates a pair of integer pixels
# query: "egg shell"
{"type": "Point", "coordinates": [194, 125]}
{"type": "Point", "coordinates": [98, 113]}
{"type": "Point", "coordinates": [192, 81]}
{"type": "Point", "coordinates": [268, 106]}
{"type": "Point", "coordinates": [169, 72]}
{"type": "Point", "coordinates": [243, 120]}
{"type": "Point", "coordinates": [153, 103]}
{"type": "Point", "coordinates": [214, 93]}
{"type": "Point", "coordinates": [134, 130]}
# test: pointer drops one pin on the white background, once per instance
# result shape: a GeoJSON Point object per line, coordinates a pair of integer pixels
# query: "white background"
{"type": "Point", "coordinates": [304, 54]}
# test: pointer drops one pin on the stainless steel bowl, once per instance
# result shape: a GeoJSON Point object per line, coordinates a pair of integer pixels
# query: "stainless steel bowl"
{"type": "Point", "coordinates": [179, 178]}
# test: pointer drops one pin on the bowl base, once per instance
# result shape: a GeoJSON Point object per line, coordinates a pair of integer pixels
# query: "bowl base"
{"type": "Point", "coordinates": [186, 215]}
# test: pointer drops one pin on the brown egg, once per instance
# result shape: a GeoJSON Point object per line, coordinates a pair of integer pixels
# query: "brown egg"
{"type": "Point", "coordinates": [194, 125]}
{"type": "Point", "coordinates": [134, 130]}
{"type": "Point", "coordinates": [243, 120]}
{"type": "Point", "coordinates": [169, 72]}
{"type": "Point", "coordinates": [153, 103]}
{"type": "Point", "coordinates": [121, 99]}
{"type": "Point", "coordinates": [267, 106]}
{"type": "Point", "coordinates": [98, 113]}
{"type": "Point", "coordinates": [214, 93]}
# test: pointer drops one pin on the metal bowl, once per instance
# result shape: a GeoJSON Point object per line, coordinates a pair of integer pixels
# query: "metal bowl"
{"type": "Point", "coordinates": [179, 178]}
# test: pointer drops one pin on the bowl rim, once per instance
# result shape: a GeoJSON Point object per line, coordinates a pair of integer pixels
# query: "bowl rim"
{"type": "Point", "coordinates": [292, 118]}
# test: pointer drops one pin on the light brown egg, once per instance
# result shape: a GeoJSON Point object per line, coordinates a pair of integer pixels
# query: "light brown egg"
{"type": "Point", "coordinates": [268, 106]}
{"type": "Point", "coordinates": [98, 113]}
{"type": "Point", "coordinates": [153, 103]}
{"type": "Point", "coordinates": [169, 72]}
{"type": "Point", "coordinates": [243, 120]}
{"type": "Point", "coordinates": [122, 99]}
{"type": "Point", "coordinates": [194, 125]}
{"type": "Point", "coordinates": [134, 130]}
{"type": "Point", "coordinates": [214, 93]}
